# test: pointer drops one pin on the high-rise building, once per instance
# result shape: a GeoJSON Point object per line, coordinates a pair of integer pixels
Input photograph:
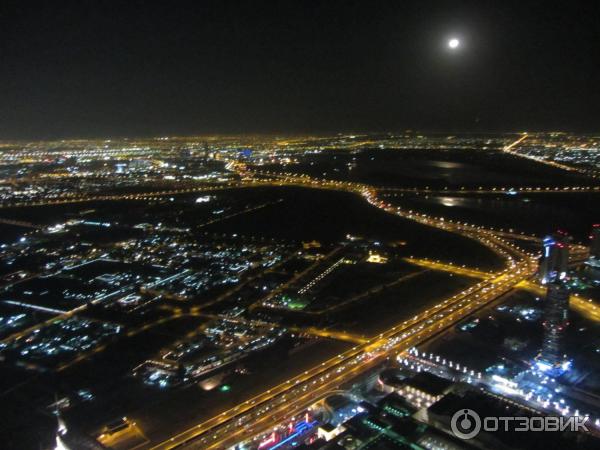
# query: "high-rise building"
{"type": "Point", "coordinates": [592, 265]}
{"type": "Point", "coordinates": [556, 319]}
{"type": "Point", "coordinates": [555, 258]}
{"type": "Point", "coordinates": [595, 242]}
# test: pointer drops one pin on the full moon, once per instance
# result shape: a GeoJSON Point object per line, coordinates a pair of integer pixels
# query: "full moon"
{"type": "Point", "coordinates": [453, 43]}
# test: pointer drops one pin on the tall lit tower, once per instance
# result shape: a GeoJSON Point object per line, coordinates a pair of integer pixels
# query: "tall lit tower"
{"type": "Point", "coordinates": [593, 263]}
{"type": "Point", "coordinates": [595, 242]}
{"type": "Point", "coordinates": [555, 258]}
{"type": "Point", "coordinates": [556, 320]}
{"type": "Point", "coordinates": [553, 273]}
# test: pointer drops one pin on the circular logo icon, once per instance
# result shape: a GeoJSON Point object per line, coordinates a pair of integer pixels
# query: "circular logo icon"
{"type": "Point", "coordinates": [465, 424]}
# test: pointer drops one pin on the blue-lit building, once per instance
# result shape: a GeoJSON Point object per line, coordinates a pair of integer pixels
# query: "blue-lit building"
{"type": "Point", "coordinates": [555, 258]}
{"type": "Point", "coordinates": [595, 241]}
{"type": "Point", "coordinates": [593, 262]}
{"type": "Point", "coordinates": [553, 273]}
{"type": "Point", "coordinates": [556, 320]}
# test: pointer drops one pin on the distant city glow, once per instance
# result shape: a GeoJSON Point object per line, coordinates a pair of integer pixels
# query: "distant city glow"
{"type": "Point", "coordinates": [166, 261]}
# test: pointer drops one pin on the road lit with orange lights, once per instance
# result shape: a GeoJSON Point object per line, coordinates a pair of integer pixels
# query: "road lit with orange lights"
{"type": "Point", "coordinates": [257, 414]}
{"type": "Point", "coordinates": [262, 411]}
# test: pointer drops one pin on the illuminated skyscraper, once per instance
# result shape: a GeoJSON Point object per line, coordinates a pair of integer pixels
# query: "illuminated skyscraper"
{"type": "Point", "coordinates": [592, 269]}
{"type": "Point", "coordinates": [556, 319]}
{"type": "Point", "coordinates": [553, 273]}
{"type": "Point", "coordinates": [555, 258]}
{"type": "Point", "coordinates": [595, 242]}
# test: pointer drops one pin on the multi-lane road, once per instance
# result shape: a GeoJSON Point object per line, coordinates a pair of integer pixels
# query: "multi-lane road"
{"type": "Point", "coordinates": [265, 410]}
{"type": "Point", "coordinates": [273, 406]}
{"type": "Point", "coordinates": [258, 414]}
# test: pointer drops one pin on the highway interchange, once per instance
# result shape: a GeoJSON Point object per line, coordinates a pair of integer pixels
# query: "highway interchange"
{"type": "Point", "coordinates": [258, 414]}
{"type": "Point", "coordinates": [284, 400]}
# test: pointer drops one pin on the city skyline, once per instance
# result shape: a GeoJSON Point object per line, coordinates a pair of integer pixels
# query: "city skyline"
{"type": "Point", "coordinates": [277, 292]}
{"type": "Point", "coordinates": [299, 225]}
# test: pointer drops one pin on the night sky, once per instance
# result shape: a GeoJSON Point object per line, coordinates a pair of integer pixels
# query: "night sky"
{"type": "Point", "coordinates": [95, 69]}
